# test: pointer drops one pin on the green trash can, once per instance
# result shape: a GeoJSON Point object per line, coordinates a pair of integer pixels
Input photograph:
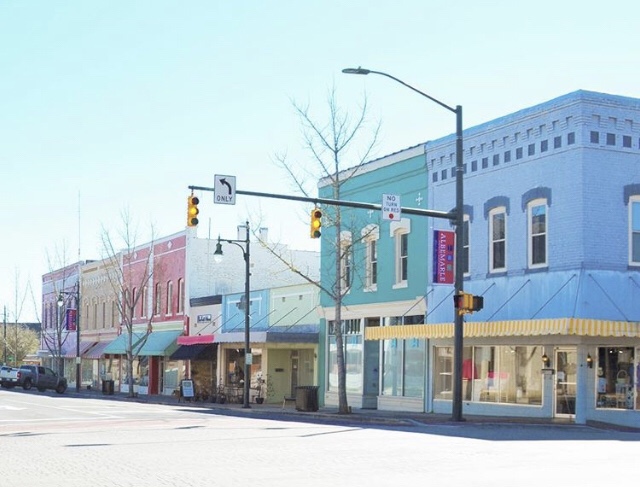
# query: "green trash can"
{"type": "Point", "coordinates": [307, 398]}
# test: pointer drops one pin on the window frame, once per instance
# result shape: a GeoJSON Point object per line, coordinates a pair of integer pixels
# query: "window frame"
{"type": "Point", "coordinates": [157, 308]}
{"type": "Point", "coordinates": [169, 298]}
{"type": "Point", "coordinates": [634, 201]}
{"type": "Point", "coordinates": [493, 215]}
{"type": "Point", "coordinates": [531, 205]}
{"type": "Point", "coordinates": [180, 296]}
{"type": "Point", "coordinates": [346, 261]}
{"type": "Point", "coordinates": [466, 238]}
{"type": "Point", "coordinates": [370, 236]}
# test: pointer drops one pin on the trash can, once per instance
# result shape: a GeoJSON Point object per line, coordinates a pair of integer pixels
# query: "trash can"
{"type": "Point", "coordinates": [107, 387]}
{"type": "Point", "coordinates": [307, 398]}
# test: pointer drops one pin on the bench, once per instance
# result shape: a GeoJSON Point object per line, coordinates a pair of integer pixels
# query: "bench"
{"type": "Point", "coordinates": [286, 399]}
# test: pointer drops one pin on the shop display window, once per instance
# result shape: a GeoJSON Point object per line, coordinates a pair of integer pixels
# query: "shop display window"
{"type": "Point", "coordinates": [617, 371]}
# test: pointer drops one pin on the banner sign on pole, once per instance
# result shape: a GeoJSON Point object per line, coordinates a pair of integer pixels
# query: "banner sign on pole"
{"type": "Point", "coordinates": [72, 319]}
{"type": "Point", "coordinates": [443, 256]}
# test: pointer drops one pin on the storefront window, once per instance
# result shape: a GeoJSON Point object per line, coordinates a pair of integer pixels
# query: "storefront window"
{"type": "Point", "coordinates": [617, 378]}
{"type": "Point", "coordinates": [496, 374]}
{"type": "Point", "coordinates": [353, 352]}
{"type": "Point", "coordinates": [404, 368]}
{"type": "Point", "coordinates": [443, 373]}
{"type": "Point", "coordinates": [171, 374]}
{"type": "Point", "coordinates": [414, 367]}
{"type": "Point", "coordinates": [392, 377]}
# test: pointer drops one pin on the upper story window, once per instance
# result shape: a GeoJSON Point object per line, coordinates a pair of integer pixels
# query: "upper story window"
{"type": "Point", "coordinates": [634, 230]}
{"type": "Point", "coordinates": [465, 245]}
{"type": "Point", "coordinates": [399, 231]}
{"type": "Point", "coordinates": [180, 296]}
{"type": "Point", "coordinates": [158, 299]}
{"type": "Point", "coordinates": [143, 302]}
{"type": "Point", "coordinates": [371, 235]}
{"type": "Point", "coordinates": [170, 298]}
{"type": "Point", "coordinates": [402, 257]}
{"type": "Point", "coordinates": [114, 314]}
{"type": "Point", "coordinates": [537, 228]}
{"type": "Point", "coordinates": [346, 261]}
{"type": "Point", "coordinates": [134, 296]}
{"type": "Point", "coordinates": [498, 239]}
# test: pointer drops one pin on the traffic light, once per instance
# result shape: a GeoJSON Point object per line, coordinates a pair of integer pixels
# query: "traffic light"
{"type": "Point", "coordinates": [192, 211]}
{"type": "Point", "coordinates": [467, 303]}
{"type": "Point", "coordinates": [316, 223]}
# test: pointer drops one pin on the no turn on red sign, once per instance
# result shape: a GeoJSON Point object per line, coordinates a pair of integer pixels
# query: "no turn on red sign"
{"type": "Point", "coordinates": [391, 207]}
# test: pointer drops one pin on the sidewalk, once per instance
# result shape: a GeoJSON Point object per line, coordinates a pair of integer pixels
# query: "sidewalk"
{"type": "Point", "coordinates": [358, 416]}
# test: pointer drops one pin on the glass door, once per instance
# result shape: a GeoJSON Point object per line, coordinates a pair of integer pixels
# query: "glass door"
{"type": "Point", "coordinates": [565, 385]}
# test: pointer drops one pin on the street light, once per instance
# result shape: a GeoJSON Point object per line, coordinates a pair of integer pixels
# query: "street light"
{"type": "Point", "coordinates": [217, 256]}
{"type": "Point", "coordinates": [458, 221]}
{"type": "Point", "coordinates": [61, 301]}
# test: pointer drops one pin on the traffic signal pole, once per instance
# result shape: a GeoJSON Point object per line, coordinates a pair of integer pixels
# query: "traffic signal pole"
{"type": "Point", "coordinates": [351, 204]}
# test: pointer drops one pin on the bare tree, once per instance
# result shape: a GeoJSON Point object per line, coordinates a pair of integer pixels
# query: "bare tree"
{"type": "Point", "coordinates": [130, 270]}
{"type": "Point", "coordinates": [338, 152]}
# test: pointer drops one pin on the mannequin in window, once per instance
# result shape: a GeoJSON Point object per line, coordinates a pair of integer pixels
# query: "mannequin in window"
{"type": "Point", "coordinates": [469, 373]}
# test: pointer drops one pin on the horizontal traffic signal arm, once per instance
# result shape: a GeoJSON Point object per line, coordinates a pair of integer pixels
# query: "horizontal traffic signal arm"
{"type": "Point", "coordinates": [451, 215]}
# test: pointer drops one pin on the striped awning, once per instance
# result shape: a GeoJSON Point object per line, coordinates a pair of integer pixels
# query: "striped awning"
{"type": "Point", "coordinates": [557, 326]}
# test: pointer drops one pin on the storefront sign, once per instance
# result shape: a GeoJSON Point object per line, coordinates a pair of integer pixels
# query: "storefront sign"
{"type": "Point", "coordinates": [443, 256]}
{"type": "Point", "coordinates": [186, 388]}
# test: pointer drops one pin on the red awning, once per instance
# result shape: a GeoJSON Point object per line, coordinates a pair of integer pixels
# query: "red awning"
{"type": "Point", "coordinates": [195, 339]}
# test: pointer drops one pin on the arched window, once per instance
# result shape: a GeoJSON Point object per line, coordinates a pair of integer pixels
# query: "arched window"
{"type": "Point", "coordinates": [158, 299]}
{"type": "Point", "coordinates": [169, 298]}
{"type": "Point", "coordinates": [180, 296]}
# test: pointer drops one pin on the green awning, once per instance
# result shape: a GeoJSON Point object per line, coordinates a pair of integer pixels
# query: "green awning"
{"type": "Point", "coordinates": [157, 343]}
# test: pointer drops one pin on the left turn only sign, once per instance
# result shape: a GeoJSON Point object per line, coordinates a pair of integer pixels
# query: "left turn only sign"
{"type": "Point", "coordinates": [224, 190]}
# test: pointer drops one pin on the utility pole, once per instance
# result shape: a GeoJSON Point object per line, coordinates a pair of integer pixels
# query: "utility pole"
{"type": "Point", "coordinates": [4, 337]}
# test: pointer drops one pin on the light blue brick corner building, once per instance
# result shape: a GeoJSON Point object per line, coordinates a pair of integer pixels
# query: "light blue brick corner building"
{"type": "Point", "coordinates": [552, 225]}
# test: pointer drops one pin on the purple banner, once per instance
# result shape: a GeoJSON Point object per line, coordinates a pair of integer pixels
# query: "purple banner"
{"type": "Point", "coordinates": [72, 317]}
{"type": "Point", "coordinates": [443, 256]}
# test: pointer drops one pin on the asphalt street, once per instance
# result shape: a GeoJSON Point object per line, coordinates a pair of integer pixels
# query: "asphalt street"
{"type": "Point", "coordinates": [51, 440]}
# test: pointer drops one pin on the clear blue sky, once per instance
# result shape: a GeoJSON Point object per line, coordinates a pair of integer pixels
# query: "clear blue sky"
{"type": "Point", "coordinates": [106, 105]}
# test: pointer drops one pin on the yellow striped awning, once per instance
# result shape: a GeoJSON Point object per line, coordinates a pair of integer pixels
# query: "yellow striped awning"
{"type": "Point", "coordinates": [555, 326]}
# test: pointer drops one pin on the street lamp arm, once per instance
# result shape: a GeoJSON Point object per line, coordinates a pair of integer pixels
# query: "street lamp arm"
{"type": "Point", "coordinates": [367, 71]}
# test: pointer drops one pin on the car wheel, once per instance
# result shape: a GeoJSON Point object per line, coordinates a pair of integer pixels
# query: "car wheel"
{"type": "Point", "coordinates": [26, 385]}
{"type": "Point", "coordinates": [42, 389]}
{"type": "Point", "coordinates": [61, 388]}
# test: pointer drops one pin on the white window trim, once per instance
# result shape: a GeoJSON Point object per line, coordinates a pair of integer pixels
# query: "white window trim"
{"type": "Point", "coordinates": [500, 210]}
{"type": "Point", "coordinates": [530, 205]}
{"type": "Point", "coordinates": [345, 240]}
{"type": "Point", "coordinates": [632, 200]}
{"type": "Point", "coordinates": [370, 233]}
{"type": "Point", "coordinates": [396, 229]}
{"type": "Point", "coordinates": [169, 297]}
